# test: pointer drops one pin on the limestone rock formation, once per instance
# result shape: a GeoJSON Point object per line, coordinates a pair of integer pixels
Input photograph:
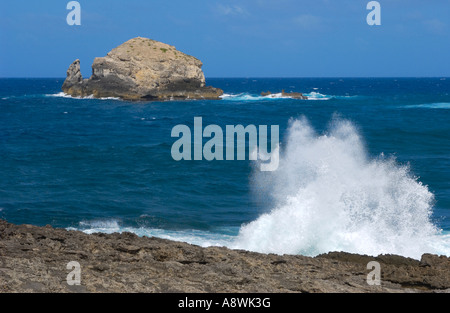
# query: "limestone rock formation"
{"type": "Point", "coordinates": [142, 69]}
{"type": "Point", "coordinates": [34, 259]}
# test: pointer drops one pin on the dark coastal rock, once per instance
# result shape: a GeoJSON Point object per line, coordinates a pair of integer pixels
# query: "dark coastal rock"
{"type": "Point", "coordinates": [142, 69]}
{"type": "Point", "coordinates": [34, 259]}
{"type": "Point", "coordinates": [293, 95]}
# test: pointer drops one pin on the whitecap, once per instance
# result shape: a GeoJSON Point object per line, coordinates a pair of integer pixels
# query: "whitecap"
{"type": "Point", "coordinates": [317, 96]}
{"type": "Point", "coordinates": [438, 105]}
{"type": "Point", "coordinates": [64, 95]}
{"type": "Point", "coordinates": [276, 96]}
{"type": "Point", "coordinates": [251, 97]}
{"type": "Point", "coordinates": [192, 236]}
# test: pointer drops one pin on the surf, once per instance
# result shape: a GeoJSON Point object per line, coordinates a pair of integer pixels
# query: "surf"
{"type": "Point", "coordinates": [90, 97]}
{"type": "Point", "coordinates": [312, 96]}
{"type": "Point", "coordinates": [330, 195]}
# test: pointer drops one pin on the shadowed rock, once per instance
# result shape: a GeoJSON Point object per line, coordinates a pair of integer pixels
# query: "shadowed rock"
{"type": "Point", "coordinates": [142, 69]}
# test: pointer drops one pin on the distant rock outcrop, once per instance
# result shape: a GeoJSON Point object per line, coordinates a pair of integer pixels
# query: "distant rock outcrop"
{"type": "Point", "coordinates": [34, 259]}
{"type": "Point", "coordinates": [293, 95]}
{"type": "Point", "coordinates": [142, 69]}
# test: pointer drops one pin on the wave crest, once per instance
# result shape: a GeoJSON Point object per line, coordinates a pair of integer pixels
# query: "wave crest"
{"type": "Point", "coordinates": [251, 97]}
{"type": "Point", "coordinates": [197, 237]}
{"type": "Point", "coordinates": [314, 96]}
{"type": "Point", "coordinates": [64, 95]}
{"type": "Point", "coordinates": [330, 196]}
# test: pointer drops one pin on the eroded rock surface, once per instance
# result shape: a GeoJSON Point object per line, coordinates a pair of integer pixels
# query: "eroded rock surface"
{"type": "Point", "coordinates": [34, 259]}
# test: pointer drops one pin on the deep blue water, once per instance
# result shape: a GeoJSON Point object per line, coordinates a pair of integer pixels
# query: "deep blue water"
{"type": "Point", "coordinates": [106, 164]}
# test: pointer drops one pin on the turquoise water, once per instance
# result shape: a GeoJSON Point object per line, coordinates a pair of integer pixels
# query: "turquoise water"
{"type": "Point", "coordinates": [364, 166]}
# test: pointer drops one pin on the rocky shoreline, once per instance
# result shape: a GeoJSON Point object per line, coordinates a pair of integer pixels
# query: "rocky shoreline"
{"type": "Point", "coordinates": [34, 259]}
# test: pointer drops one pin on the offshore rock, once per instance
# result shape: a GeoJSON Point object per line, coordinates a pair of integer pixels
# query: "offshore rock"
{"type": "Point", "coordinates": [34, 259]}
{"type": "Point", "coordinates": [142, 69]}
{"type": "Point", "coordinates": [293, 95]}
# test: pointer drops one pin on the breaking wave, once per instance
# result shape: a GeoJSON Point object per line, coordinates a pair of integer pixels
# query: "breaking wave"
{"type": "Point", "coordinates": [250, 97]}
{"type": "Point", "coordinates": [196, 237]}
{"type": "Point", "coordinates": [276, 96]}
{"type": "Point", "coordinates": [440, 105]}
{"type": "Point", "coordinates": [64, 95]}
{"type": "Point", "coordinates": [317, 96]}
{"type": "Point", "coordinates": [331, 196]}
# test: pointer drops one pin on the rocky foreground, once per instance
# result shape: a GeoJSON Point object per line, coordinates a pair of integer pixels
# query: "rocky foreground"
{"type": "Point", "coordinates": [34, 259]}
{"type": "Point", "coordinates": [142, 69]}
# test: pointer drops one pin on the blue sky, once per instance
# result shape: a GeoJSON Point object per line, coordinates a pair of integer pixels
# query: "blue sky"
{"type": "Point", "coordinates": [245, 38]}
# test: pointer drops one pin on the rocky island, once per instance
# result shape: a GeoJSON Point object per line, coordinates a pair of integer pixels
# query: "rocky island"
{"type": "Point", "coordinates": [34, 259]}
{"type": "Point", "coordinates": [142, 69]}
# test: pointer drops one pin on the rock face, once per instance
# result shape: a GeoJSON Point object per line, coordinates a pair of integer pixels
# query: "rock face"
{"type": "Point", "coordinates": [34, 259]}
{"type": "Point", "coordinates": [142, 69]}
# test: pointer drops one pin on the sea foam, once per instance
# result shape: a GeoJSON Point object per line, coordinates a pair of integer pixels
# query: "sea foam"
{"type": "Point", "coordinates": [64, 95]}
{"type": "Point", "coordinates": [317, 96]}
{"type": "Point", "coordinates": [438, 105]}
{"type": "Point", "coordinates": [251, 97]}
{"type": "Point", "coordinates": [198, 237]}
{"type": "Point", "coordinates": [329, 195]}
{"type": "Point", "coordinates": [313, 96]}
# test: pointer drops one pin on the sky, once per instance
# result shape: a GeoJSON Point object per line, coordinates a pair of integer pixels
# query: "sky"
{"type": "Point", "coordinates": [234, 38]}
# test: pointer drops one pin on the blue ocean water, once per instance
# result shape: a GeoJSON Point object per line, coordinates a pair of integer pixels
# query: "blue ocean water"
{"type": "Point", "coordinates": [364, 165]}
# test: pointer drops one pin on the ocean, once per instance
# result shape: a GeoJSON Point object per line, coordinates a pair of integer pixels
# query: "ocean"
{"type": "Point", "coordinates": [364, 166]}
